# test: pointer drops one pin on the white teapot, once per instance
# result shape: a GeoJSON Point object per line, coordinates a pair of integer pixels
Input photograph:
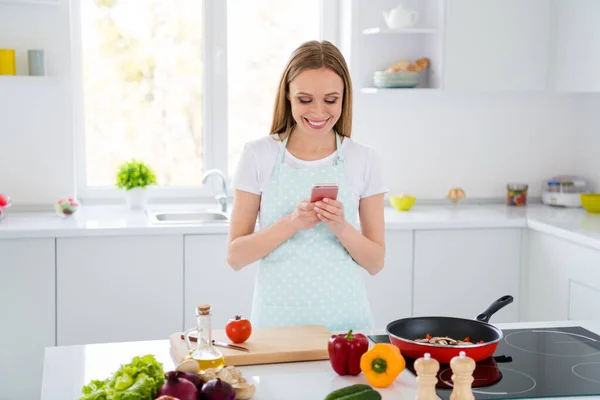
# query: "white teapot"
{"type": "Point", "coordinates": [399, 17]}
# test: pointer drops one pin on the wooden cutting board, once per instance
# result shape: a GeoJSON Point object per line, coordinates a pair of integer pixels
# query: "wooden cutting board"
{"type": "Point", "coordinates": [268, 345]}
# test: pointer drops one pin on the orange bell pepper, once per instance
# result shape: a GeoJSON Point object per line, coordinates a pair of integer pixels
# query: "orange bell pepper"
{"type": "Point", "coordinates": [382, 364]}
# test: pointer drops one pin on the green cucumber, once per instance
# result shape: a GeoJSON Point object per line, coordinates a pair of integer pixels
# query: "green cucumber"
{"type": "Point", "coordinates": [354, 392]}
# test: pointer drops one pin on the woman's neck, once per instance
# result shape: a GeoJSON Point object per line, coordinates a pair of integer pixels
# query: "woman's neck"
{"type": "Point", "coordinates": [311, 143]}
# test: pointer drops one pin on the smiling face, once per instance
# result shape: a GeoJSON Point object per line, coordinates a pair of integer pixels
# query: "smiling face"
{"type": "Point", "coordinates": [316, 97]}
{"type": "Point", "coordinates": [314, 93]}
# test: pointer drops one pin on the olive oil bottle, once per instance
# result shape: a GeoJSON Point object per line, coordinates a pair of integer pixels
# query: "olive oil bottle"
{"type": "Point", "coordinates": [205, 353]}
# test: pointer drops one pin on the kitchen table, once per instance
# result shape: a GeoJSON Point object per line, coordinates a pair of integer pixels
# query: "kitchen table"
{"type": "Point", "coordinates": [68, 368]}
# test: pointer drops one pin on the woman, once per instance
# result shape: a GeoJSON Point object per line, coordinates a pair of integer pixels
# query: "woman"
{"type": "Point", "coordinates": [311, 256]}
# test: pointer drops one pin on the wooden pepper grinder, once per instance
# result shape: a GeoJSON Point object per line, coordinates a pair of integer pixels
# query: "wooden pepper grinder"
{"type": "Point", "coordinates": [427, 369]}
{"type": "Point", "coordinates": [462, 377]}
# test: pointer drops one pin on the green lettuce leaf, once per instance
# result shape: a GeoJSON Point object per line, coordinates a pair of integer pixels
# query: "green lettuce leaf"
{"type": "Point", "coordinates": [143, 388]}
{"type": "Point", "coordinates": [94, 386]}
{"type": "Point", "coordinates": [140, 379]}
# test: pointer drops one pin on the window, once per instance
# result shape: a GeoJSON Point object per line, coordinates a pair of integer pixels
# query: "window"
{"type": "Point", "coordinates": [181, 85]}
{"type": "Point", "coordinates": [142, 88]}
{"type": "Point", "coordinates": [261, 35]}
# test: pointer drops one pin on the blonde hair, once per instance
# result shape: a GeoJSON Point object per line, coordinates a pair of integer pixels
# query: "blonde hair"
{"type": "Point", "coordinates": [312, 55]}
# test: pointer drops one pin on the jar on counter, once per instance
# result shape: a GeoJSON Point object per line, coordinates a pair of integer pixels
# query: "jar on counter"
{"type": "Point", "coordinates": [553, 186]}
{"type": "Point", "coordinates": [516, 194]}
{"type": "Point", "coordinates": [568, 187]}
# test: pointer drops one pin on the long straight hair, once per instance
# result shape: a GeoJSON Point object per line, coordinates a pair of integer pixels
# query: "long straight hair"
{"type": "Point", "coordinates": [312, 55]}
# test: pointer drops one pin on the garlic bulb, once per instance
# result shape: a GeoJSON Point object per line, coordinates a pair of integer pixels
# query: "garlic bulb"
{"type": "Point", "coordinates": [456, 194]}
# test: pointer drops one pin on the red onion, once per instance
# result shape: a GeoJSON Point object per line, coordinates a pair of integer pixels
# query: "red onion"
{"type": "Point", "coordinates": [216, 389]}
{"type": "Point", "coordinates": [194, 378]}
{"type": "Point", "coordinates": [177, 386]}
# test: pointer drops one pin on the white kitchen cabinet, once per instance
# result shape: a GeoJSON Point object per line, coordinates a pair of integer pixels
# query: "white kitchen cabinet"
{"type": "Point", "coordinates": [390, 291]}
{"type": "Point", "coordinates": [497, 45]}
{"type": "Point", "coordinates": [461, 272]}
{"type": "Point", "coordinates": [584, 297]}
{"type": "Point", "coordinates": [544, 294]}
{"type": "Point", "coordinates": [577, 46]}
{"type": "Point", "coordinates": [210, 280]}
{"type": "Point", "coordinates": [113, 289]}
{"type": "Point", "coordinates": [27, 309]}
{"type": "Point", "coordinates": [563, 279]}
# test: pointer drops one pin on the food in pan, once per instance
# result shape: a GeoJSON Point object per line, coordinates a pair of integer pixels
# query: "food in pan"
{"type": "Point", "coordinates": [447, 341]}
{"type": "Point", "coordinates": [406, 65]}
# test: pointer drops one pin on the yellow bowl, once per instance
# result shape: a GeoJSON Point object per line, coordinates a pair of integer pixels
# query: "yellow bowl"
{"type": "Point", "coordinates": [591, 202]}
{"type": "Point", "coordinates": [402, 203]}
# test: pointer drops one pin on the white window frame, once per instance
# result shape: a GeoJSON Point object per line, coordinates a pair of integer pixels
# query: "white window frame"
{"type": "Point", "coordinates": [215, 103]}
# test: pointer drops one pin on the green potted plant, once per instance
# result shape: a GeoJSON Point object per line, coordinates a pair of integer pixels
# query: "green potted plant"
{"type": "Point", "coordinates": [134, 177]}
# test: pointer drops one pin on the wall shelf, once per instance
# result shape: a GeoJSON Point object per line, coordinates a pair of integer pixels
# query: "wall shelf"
{"type": "Point", "coordinates": [28, 79]}
{"type": "Point", "coordinates": [375, 90]}
{"type": "Point", "coordinates": [386, 31]}
{"type": "Point", "coordinates": [30, 2]}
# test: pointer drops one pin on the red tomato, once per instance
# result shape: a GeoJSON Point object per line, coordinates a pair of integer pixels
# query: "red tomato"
{"type": "Point", "coordinates": [238, 330]}
{"type": "Point", "coordinates": [3, 201]}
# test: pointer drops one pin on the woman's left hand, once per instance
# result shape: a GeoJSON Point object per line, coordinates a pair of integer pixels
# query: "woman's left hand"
{"type": "Point", "coordinates": [332, 213]}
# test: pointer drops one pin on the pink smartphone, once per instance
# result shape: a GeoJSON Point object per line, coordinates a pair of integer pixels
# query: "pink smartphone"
{"type": "Point", "coordinates": [323, 190]}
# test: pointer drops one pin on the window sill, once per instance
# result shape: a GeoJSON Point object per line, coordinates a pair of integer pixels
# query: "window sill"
{"type": "Point", "coordinates": [162, 196]}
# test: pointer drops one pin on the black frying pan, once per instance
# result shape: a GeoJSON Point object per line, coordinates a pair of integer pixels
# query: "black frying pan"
{"type": "Point", "coordinates": [403, 333]}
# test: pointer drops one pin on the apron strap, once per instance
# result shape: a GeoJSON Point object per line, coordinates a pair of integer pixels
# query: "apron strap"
{"type": "Point", "coordinates": [281, 154]}
{"type": "Point", "coordinates": [338, 142]}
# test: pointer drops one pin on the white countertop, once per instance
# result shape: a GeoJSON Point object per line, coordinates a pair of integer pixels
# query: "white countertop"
{"type": "Point", "coordinates": [67, 369]}
{"type": "Point", "coordinates": [571, 224]}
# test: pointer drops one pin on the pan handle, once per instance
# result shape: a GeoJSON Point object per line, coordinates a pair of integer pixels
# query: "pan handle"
{"type": "Point", "coordinates": [495, 306]}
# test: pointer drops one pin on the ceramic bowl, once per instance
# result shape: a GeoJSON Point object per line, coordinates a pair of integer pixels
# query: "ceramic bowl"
{"type": "Point", "coordinates": [591, 202]}
{"type": "Point", "coordinates": [402, 202]}
{"type": "Point", "coordinates": [5, 208]}
{"type": "Point", "coordinates": [400, 79]}
{"type": "Point", "coordinates": [67, 207]}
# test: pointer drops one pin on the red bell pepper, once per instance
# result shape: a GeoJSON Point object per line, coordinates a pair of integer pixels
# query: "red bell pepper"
{"type": "Point", "coordinates": [345, 351]}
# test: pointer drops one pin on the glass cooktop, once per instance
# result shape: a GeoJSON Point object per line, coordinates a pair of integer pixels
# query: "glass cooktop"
{"type": "Point", "coordinates": [531, 363]}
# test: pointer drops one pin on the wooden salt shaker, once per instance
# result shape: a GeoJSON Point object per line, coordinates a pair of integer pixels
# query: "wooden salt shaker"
{"type": "Point", "coordinates": [462, 377]}
{"type": "Point", "coordinates": [427, 369]}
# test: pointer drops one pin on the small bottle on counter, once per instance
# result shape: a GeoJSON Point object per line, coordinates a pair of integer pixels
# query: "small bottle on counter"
{"type": "Point", "coordinates": [516, 194]}
{"type": "Point", "coordinates": [205, 354]}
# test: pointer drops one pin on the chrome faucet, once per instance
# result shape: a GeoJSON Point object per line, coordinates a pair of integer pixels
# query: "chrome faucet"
{"type": "Point", "coordinates": [222, 196]}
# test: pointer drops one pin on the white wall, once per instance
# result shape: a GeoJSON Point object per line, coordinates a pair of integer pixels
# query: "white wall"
{"type": "Point", "coordinates": [431, 142]}
{"type": "Point", "coordinates": [36, 141]}
{"type": "Point", "coordinates": [587, 139]}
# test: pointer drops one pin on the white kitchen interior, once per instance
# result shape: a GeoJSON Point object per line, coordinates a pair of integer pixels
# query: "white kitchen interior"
{"type": "Point", "coordinates": [512, 94]}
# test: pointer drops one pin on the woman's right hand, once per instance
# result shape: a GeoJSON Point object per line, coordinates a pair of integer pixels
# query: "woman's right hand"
{"type": "Point", "coordinates": [304, 216]}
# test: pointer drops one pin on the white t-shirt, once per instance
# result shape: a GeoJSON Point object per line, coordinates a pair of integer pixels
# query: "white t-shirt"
{"type": "Point", "coordinates": [362, 165]}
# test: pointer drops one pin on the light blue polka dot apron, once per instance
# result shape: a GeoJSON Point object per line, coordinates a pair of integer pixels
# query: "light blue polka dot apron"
{"type": "Point", "coordinates": [311, 278]}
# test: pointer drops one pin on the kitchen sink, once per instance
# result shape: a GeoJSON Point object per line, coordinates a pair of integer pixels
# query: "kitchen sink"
{"type": "Point", "coordinates": [187, 217]}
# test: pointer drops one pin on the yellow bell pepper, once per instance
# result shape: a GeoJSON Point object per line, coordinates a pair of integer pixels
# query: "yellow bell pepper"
{"type": "Point", "coordinates": [382, 364]}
